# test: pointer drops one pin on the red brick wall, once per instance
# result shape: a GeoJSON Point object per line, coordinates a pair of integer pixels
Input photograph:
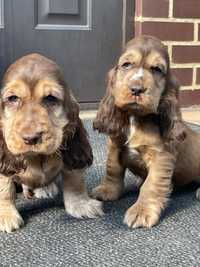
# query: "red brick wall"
{"type": "Point", "coordinates": [177, 24]}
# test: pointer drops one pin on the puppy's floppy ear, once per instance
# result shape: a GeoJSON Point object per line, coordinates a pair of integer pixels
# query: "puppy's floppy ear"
{"type": "Point", "coordinates": [9, 164]}
{"type": "Point", "coordinates": [76, 150]}
{"type": "Point", "coordinates": [170, 118]}
{"type": "Point", "coordinates": [110, 119]}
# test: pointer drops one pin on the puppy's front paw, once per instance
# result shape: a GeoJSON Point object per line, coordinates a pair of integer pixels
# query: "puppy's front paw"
{"type": "Point", "coordinates": [84, 207]}
{"type": "Point", "coordinates": [141, 215]}
{"type": "Point", "coordinates": [107, 192]}
{"type": "Point", "coordinates": [198, 193]}
{"type": "Point", "coordinates": [49, 191]}
{"type": "Point", "coordinates": [10, 219]}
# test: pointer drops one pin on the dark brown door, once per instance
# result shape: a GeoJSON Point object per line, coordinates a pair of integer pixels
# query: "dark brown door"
{"type": "Point", "coordinates": [83, 36]}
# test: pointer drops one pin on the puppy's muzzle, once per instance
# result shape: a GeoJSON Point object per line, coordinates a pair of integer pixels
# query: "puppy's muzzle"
{"type": "Point", "coordinates": [33, 138]}
{"type": "Point", "coordinates": [137, 90]}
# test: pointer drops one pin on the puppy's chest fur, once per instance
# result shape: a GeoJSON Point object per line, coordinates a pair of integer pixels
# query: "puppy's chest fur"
{"type": "Point", "coordinates": [142, 138]}
{"type": "Point", "coordinates": [132, 147]}
{"type": "Point", "coordinates": [40, 171]}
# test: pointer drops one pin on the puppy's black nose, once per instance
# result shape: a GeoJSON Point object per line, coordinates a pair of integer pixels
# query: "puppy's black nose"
{"type": "Point", "coordinates": [32, 139]}
{"type": "Point", "coordinates": [137, 90]}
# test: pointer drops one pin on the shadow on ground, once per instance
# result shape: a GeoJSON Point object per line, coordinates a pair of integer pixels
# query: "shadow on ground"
{"type": "Point", "coordinates": [52, 238]}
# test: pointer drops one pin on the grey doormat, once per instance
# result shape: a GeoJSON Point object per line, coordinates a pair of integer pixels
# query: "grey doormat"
{"type": "Point", "coordinates": [52, 238]}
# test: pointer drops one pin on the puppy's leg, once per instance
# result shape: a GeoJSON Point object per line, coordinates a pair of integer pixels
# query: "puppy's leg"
{"type": "Point", "coordinates": [49, 191]}
{"type": "Point", "coordinates": [112, 184]}
{"type": "Point", "coordinates": [10, 218]}
{"type": "Point", "coordinates": [76, 199]}
{"type": "Point", "coordinates": [154, 192]}
{"type": "Point", "coordinates": [198, 189]}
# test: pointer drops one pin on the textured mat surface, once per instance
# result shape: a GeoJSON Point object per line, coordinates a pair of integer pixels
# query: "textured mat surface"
{"type": "Point", "coordinates": [52, 238]}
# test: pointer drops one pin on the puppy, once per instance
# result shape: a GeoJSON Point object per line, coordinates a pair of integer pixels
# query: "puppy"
{"type": "Point", "coordinates": [141, 115]}
{"type": "Point", "coordinates": [41, 136]}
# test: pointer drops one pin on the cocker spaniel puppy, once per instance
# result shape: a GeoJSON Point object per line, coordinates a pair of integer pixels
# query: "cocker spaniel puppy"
{"type": "Point", "coordinates": [41, 136]}
{"type": "Point", "coordinates": [141, 115]}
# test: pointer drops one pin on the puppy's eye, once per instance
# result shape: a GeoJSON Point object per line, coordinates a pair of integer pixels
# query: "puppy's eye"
{"type": "Point", "coordinates": [12, 99]}
{"type": "Point", "coordinates": [50, 100]}
{"type": "Point", "coordinates": [127, 65]}
{"type": "Point", "coordinates": [156, 69]}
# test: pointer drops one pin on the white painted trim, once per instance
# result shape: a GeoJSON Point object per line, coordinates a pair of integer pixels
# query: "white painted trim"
{"type": "Point", "coordinates": [89, 114]}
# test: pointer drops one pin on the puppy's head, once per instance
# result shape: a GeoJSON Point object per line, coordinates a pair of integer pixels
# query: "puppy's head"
{"type": "Point", "coordinates": [137, 85]}
{"type": "Point", "coordinates": [140, 77]}
{"type": "Point", "coordinates": [35, 106]}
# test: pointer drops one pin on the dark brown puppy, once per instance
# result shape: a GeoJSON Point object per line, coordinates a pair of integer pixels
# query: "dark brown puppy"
{"type": "Point", "coordinates": [41, 135]}
{"type": "Point", "coordinates": [141, 115]}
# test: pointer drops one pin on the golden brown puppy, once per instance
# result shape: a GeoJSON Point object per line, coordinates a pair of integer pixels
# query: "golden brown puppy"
{"type": "Point", "coordinates": [41, 136]}
{"type": "Point", "coordinates": [141, 115]}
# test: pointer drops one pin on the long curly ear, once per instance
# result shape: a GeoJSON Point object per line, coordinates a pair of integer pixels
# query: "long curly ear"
{"type": "Point", "coordinates": [76, 150]}
{"type": "Point", "coordinates": [9, 163]}
{"type": "Point", "coordinates": [110, 119]}
{"type": "Point", "coordinates": [170, 118]}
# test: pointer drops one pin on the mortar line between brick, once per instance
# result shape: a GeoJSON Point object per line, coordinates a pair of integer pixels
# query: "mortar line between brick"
{"type": "Point", "coordinates": [194, 76]}
{"type": "Point", "coordinates": [182, 67]}
{"type": "Point", "coordinates": [185, 65]}
{"type": "Point", "coordinates": [191, 87]}
{"type": "Point", "coordinates": [180, 20]}
{"type": "Point", "coordinates": [170, 52]}
{"type": "Point", "coordinates": [170, 9]}
{"type": "Point", "coordinates": [184, 43]}
{"type": "Point", "coordinates": [196, 25]}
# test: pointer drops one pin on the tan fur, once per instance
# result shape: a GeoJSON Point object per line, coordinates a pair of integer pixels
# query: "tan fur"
{"type": "Point", "coordinates": [29, 116]}
{"type": "Point", "coordinates": [35, 101]}
{"type": "Point", "coordinates": [40, 171]}
{"type": "Point", "coordinates": [9, 216]}
{"type": "Point", "coordinates": [77, 202]}
{"type": "Point", "coordinates": [112, 184]}
{"type": "Point", "coordinates": [146, 131]}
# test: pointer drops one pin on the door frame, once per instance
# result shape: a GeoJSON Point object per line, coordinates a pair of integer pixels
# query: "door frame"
{"type": "Point", "coordinates": [2, 25]}
{"type": "Point", "coordinates": [126, 20]}
{"type": "Point", "coordinates": [126, 31]}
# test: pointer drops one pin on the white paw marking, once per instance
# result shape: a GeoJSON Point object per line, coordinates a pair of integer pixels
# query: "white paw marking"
{"type": "Point", "coordinates": [10, 219]}
{"type": "Point", "coordinates": [81, 206]}
{"type": "Point", "coordinates": [49, 191]}
{"type": "Point", "coordinates": [198, 194]}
